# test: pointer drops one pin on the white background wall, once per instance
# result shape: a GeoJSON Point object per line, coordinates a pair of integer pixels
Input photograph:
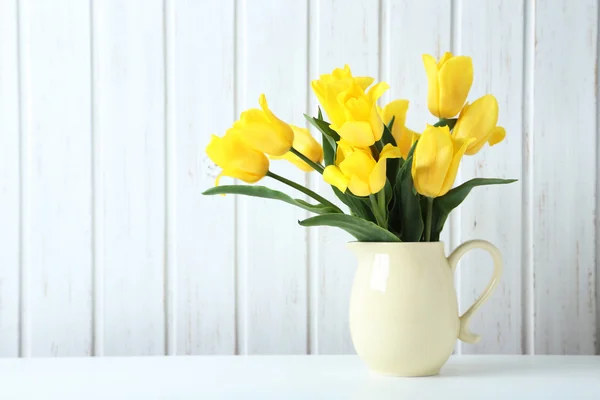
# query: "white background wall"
{"type": "Point", "coordinates": [107, 246]}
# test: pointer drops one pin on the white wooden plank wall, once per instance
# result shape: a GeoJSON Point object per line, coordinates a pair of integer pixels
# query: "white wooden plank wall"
{"type": "Point", "coordinates": [493, 32]}
{"type": "Point", "coordinates": [9, 180]}
{"type": "Point", "coordinates": [107, 246]}
{"type": "Point", "coordinates": [129, 105]}
{"type": "Point", "coordinates": [56, 219]}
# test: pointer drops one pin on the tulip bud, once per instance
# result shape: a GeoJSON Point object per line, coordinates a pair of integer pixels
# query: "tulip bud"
{"type": "Point", "coordinates": [436, 160]}
{"type": "Point", "coordinates": [449, 83]}
{"type": "Point", "coordinates": [237, 159]}
{"type": "Point", "coordinates": [263, 131]}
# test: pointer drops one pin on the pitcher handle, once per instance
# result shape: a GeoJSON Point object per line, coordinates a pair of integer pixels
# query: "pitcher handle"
{"type": "Point", "coordinates": [464, 333]}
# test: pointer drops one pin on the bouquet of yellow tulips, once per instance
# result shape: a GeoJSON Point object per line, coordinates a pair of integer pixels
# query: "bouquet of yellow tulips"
{"type": "Point", "coordinates": [396, 182]}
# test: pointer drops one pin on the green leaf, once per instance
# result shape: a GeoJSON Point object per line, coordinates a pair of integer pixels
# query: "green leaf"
{"type": "Point", "coordinates": [323, 126]}
{"type": "Point", "coordinates": [442, 206]}
{"type": "Point", "coordinates": [330, 137]}
{"type": "Point", "coordinates": [358, 205]}
{"type": "Point", "coordinates": [329, 148]}
{"type": "Point", "coordinates": [450, 122]}
{"type": "Point", "coordinates": [389, 194]}
{"type": "Point", "coordinates": [387, 136]}
{"type": "Point", "coordinates": [362, 230]}
{"type": "Point", "coordinates": [391, 168]}
{"type": "Point", "coordinates": [266, 193]}
{"type": "Point", "coordinates": [408, 208]}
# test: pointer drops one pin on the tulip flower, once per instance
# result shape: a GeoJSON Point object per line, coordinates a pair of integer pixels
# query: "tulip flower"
{"type": "Point", "coordinates": [306, 144]}
{"type": "Point", "coordinates": [329, 86]}
{"type": "Point", "coordinates": [436, 160]}
{"type": "Point", "coordinates": [237, 159]}
{"type": "Point", "coordinates": [403, 136]}
{"type": "Point", "coordinates": [449, 80]}
{"type": "Point", "coordinates": [359, 172]}
{"type": "Point", "coordinates": [363, 125]}
{"type": "Point", "coordinates": [478, 121]}
{"type": "Point", "coordinates": [263, 131]}
{"type": "Point", "coordinates": [351, 109]}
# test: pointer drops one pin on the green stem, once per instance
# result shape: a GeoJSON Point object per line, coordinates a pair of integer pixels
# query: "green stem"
{"type": "Point", "coordinates": [304, 190]}
{"type": "Point", "coordinates": [428, 219]}
{"type": "Point", "coordinates": [377, 211]}
{"type": "Point", "coordinates": [316, 166]}
{"type": "Point", "coordinates": [382, 206]}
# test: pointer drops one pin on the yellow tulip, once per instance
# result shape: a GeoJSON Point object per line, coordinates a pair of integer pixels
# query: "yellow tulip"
{"type": "Point", "coordinates": [363, 125]}
{"type": "Point", "coordinates": [329, 86]}
{"type": "Point", "coordinates": [237, 159]}
{"type": "Point", "coordinates": [436, 160]}
{"type": "Point", "coordinates": [403, 136]}
{"type": "Point", "coordinates": [263, 131]}
{"type": "Point", "coordinates": [351, 109]}
{"type": "Point", "coordinates": [449, 80]}
{"type": "Point", "coordinates": [306, 144]}
{"type": "Point", "coordinates": [359, 172]}
{"type": "Point", "coordinates": [478, 121]}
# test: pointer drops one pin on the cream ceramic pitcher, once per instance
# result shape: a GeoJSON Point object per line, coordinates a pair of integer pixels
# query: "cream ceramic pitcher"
{"type": "Point", "coordinates": [403, 310]}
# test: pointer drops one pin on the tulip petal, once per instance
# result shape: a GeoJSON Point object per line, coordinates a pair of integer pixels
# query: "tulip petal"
{"type": "Point", "coordinates": [334, 176]}
{"type": "Point", "coordinates": [364, 81]}
{"type": "Point", "coordinates": [407, 139]}
{"type": "Point", "coordinates": [263, 131]}
{"type": "Point", "coordinates": [356, 133]}
{"type": "Point", "coordinates": [307, 145]}
{"type": "Point", "coordinates": [447, 55]}
{"type": "Point", "coordinates": [396, 109]}
{"type": "Point", "coordinates": [477, 121]}
{"type": "Point", "coordinates": [389, 151]}
{"type": "Point", "coordinates": [262, 101]}
{"type": "Point", "coordinates": [377, 177]}
{"type": "Point", "coordinates": [359, 187]}
{"type": "Point", "coordinates": [236, 159]}
{"type": "Point", "coordinates": [260, 136]}
{"type": "Point", "coordinates": [498, 134]}
{"type": "Point", "coordinates": [359, 164]}
{"type": "Point", "coordinates": [376, 123]}
{"type": "Point", "coordinates": [455, 77]}
{"type": "Point", "coordinates": [431, 69]}
{"type": "Point", "coordinates": [377, 90]}
{"type": "Point", "coordinates": [460, 146]}
{"type": "Point", "coordinates": [253, 115]}
{"type": "Point", "coordinates": [431, 160]}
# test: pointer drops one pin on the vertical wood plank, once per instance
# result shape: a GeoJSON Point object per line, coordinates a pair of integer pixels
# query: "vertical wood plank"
{"type": "Point", "coordinates": [403, 66]}
{"type": "Point", "coordinates": [203, 101]}
{"type": "Point", "coordinates": [404, 69]}
{"type": "Point", "coordinates": [275, 246]}
{"type": "Point", "coordinates": [9, 180]}
{"type": "Point", "coordinates": [55, 71]}
{"type": "Point", "coordinates": [346, 35]}
{"type": "Point", "coordinates": [564, 134]}
{"type": "Point", "coordinates": [129, 92]}
{"type": "Point", "coordinates": [492, 34]}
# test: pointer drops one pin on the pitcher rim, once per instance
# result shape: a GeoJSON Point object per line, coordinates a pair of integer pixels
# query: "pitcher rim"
{"type": "Point", "coordinates": [356, 243]}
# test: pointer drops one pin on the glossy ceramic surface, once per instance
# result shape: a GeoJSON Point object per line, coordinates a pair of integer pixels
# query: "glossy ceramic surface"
{"type": "Point", "coordinates": [403, 309]}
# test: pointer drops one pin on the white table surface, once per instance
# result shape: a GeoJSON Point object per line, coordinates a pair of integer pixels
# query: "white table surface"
{"type": "Point", "coordinates": [295, 377]}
